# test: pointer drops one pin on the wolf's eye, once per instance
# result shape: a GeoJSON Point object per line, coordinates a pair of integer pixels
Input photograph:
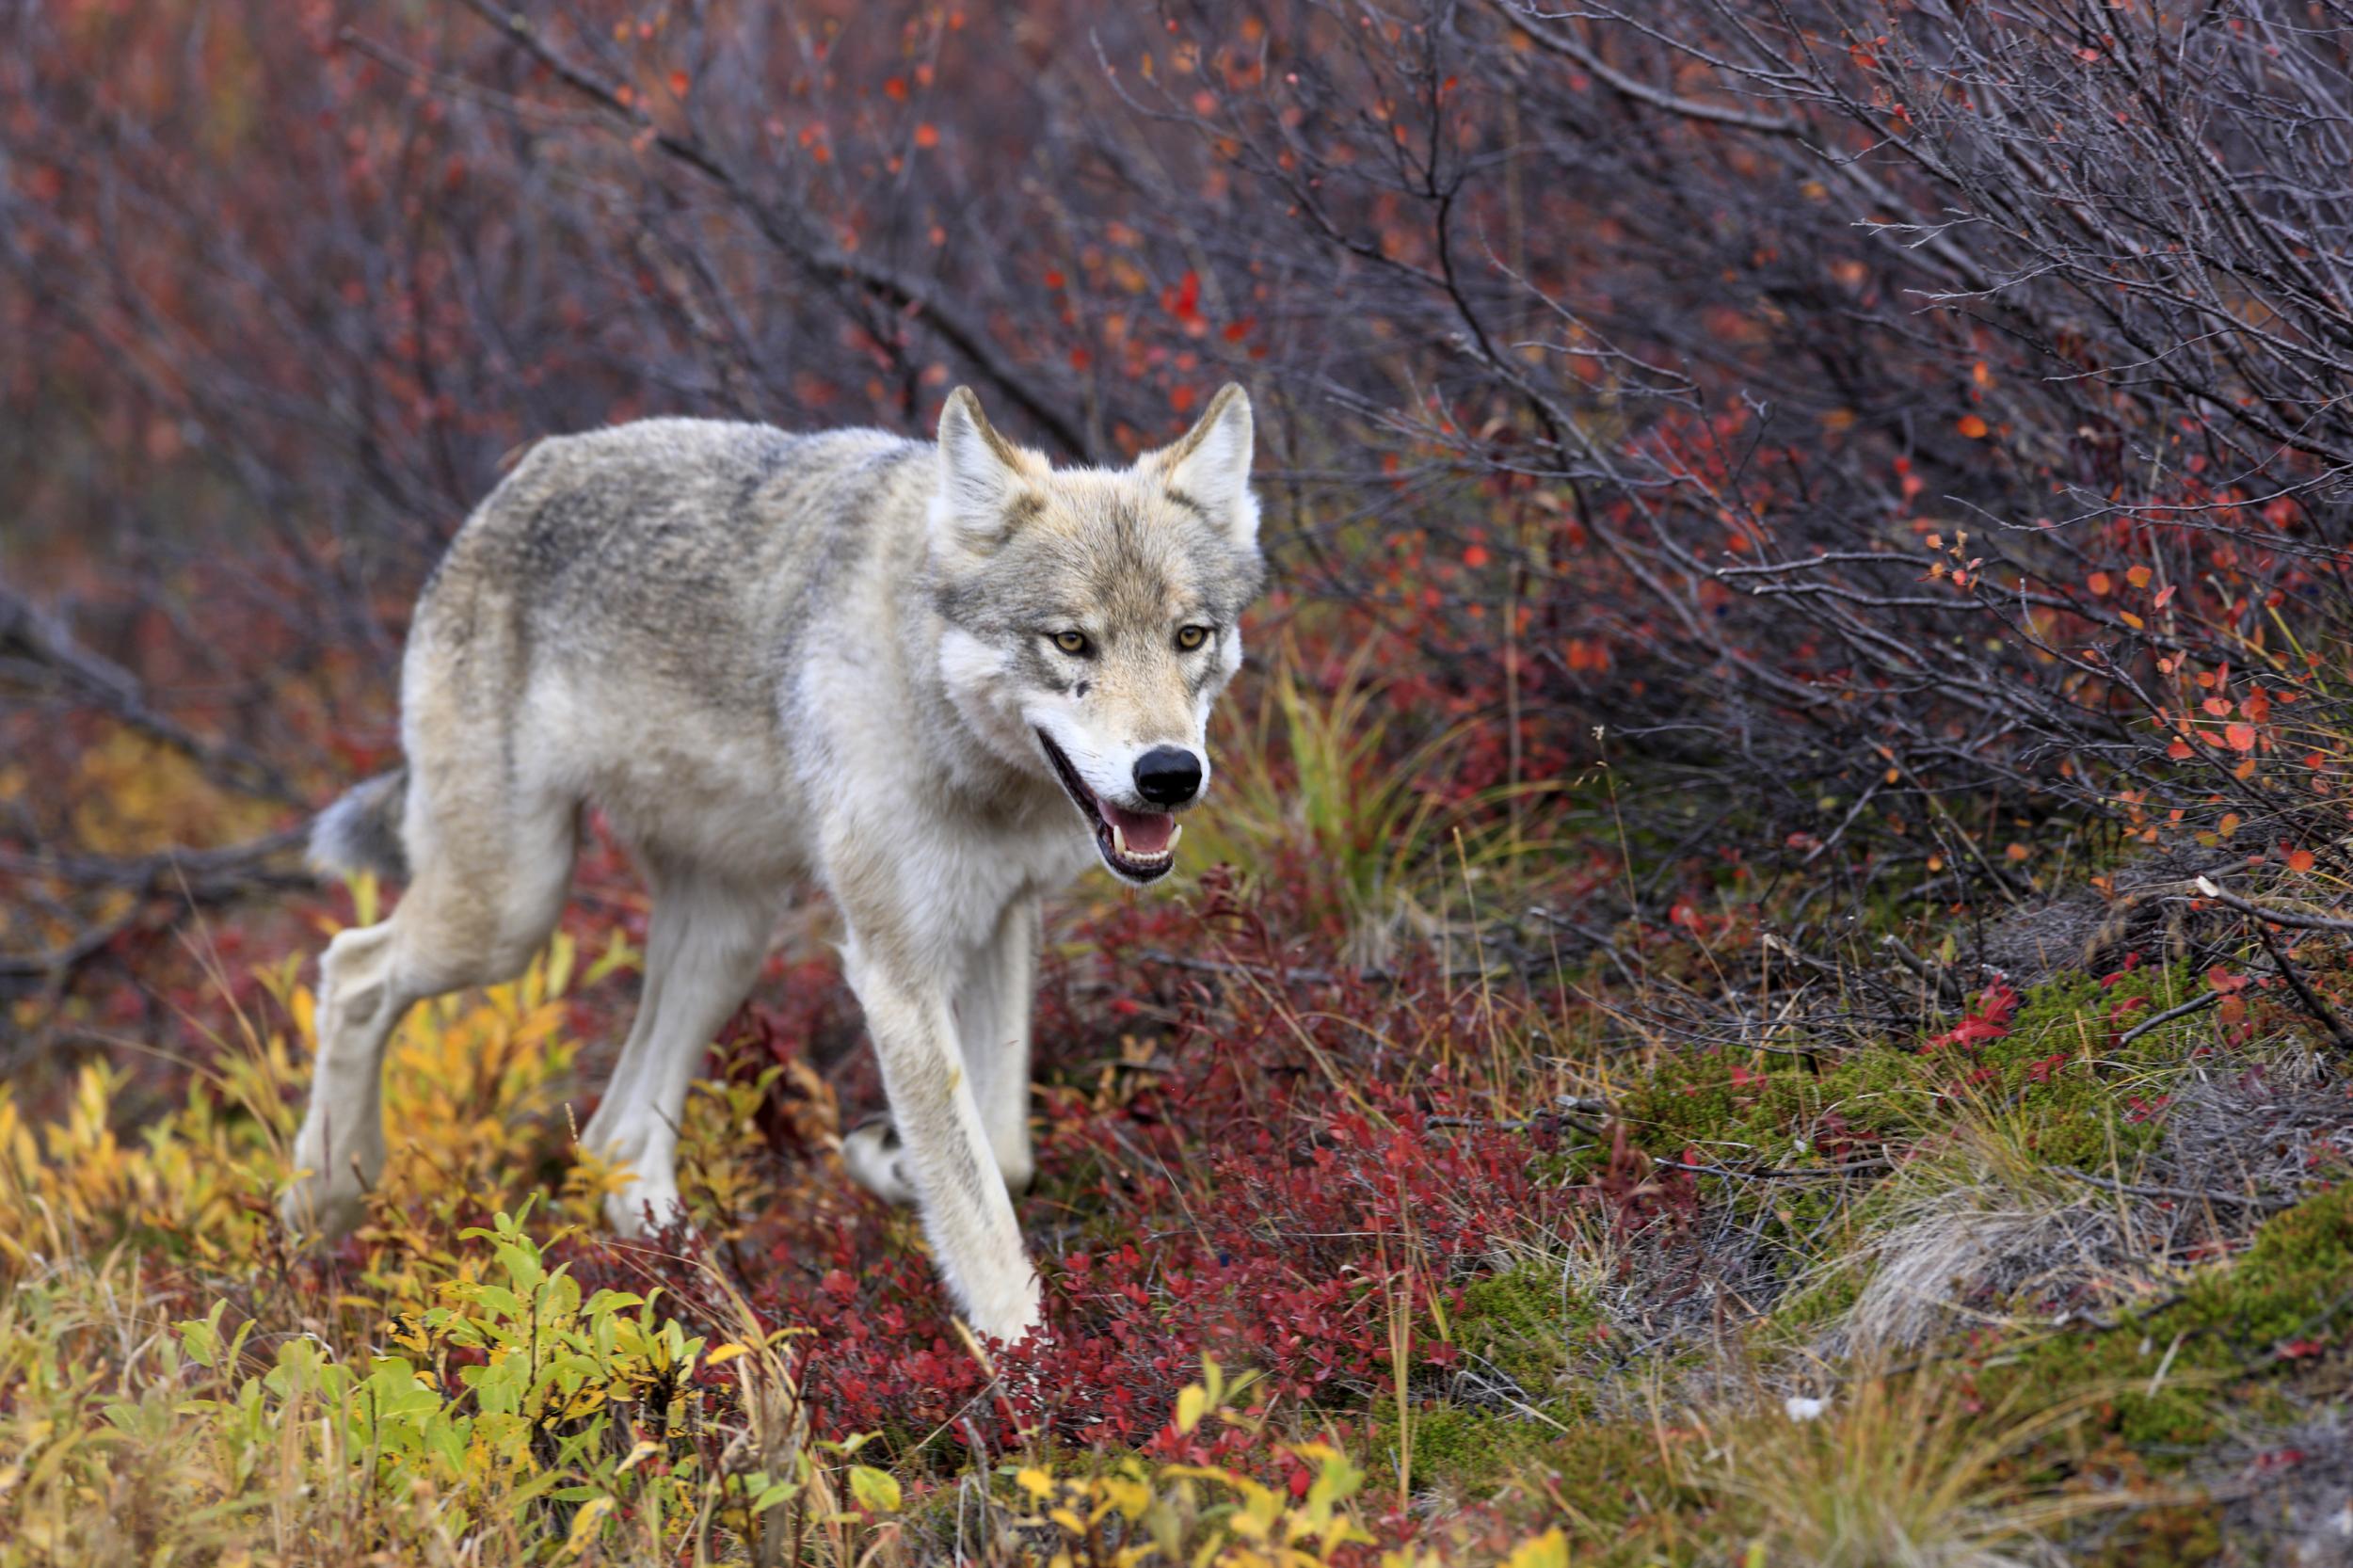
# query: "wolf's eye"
{"type": "Point", "coordinates": [1071, 642]}
{"type": "Point", "coordinates": [1191, 637]}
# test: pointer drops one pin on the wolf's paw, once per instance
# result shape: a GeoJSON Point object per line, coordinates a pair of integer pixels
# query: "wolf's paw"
{"type": "Point", "coordinates": [878, 1161]}
{"type": "Point", "coordinates": [318, 1211]}
{"type": "Point", "coordinates": [1010, 1308]}
{"type": "Point", "coordinates": [643, 1209]}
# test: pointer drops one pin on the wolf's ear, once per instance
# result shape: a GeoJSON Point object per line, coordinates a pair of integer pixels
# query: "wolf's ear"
{"type": "Point", "coordinates": [1210, 465]}
{"type": "Point", "coordinates": [980, 478]}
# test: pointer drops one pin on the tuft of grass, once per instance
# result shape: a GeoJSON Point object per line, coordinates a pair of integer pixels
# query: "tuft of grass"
{"type": "Point", "coordinates": [1895, 1473]}
{"type": "Point", "coordinates": [1315, 781]}
{"type": "Point", "coordinates": [1978, 1212]}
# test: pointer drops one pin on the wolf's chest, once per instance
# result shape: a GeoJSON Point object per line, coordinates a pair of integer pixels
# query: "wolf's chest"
{"type": "Point", "coordinates": [958, 877]}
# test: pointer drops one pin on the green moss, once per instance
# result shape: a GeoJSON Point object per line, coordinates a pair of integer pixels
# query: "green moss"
{"type": "Point", "coordinates": [2222, 1333]}
{"type": "Point", "coordinates": [2292, 1279]}
{"type": "Point", "coordinates": [1817, 1307]}
{"type": "Point", "coordinates": [1524, 1323]}
{"type": "Point", "coordinates": [2058, 1063]}
{"type": "Point", "coordinates": [1467, 1452]}
{"type": "Point", "coordinates": [2178, 1536]}
{"type": "Point", "coordinates": [1604, 1479]}
{"type": "Point", "coordinates": [1595, 1476]}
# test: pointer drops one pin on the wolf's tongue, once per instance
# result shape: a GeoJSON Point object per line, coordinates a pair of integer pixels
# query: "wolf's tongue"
{"type": "Point", "coordinates": [1146, 832]}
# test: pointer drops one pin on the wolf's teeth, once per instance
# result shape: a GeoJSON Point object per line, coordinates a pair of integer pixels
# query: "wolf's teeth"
{"type": "Point", "coordinates": [1119, 842]}
{"type": "Point", "coordinates": [1174, 833]}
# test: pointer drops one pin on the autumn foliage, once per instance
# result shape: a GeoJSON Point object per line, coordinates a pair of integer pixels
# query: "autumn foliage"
{"type": "Point", "coordinates": [1799, 744]}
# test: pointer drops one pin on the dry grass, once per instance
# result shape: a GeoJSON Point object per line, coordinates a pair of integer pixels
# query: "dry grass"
{"type": "Point", "coordinates": [1964, 1224]}
{"type": "Point", "coordinates": [1894, 1473]}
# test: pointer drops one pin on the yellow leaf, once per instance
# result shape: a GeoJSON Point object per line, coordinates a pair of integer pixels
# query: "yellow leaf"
{"type": "Point", "coordinates": [1190, 1406]}
{"type": "Point", "coordinates": [876, 1491]}
{"type": "Point", "coordinates": [725, 1354]}
{"type": "Point", "coordinates": [585, 1524]}
{"type": "Point", "coordinates": [1548, 1550]}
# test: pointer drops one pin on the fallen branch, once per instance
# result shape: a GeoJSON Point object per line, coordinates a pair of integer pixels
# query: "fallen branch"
{"type": "Point", "coordinates": [186, 877]}
{"type": "Point", "coordinates": [2196, 1004]}
{"type": "Point", "coordinates": [1936, 976]}
{"type": "Point", "coordinates": [1776, 1173]}
{"type": "Point", "coordinates": [2311, 1001]}
{"type": "Point", "coordinates": [2186, 1195]}
{"type": "Point", "coordinates": [2277, 917]}
{"type": "Point", "coordinates": [41, 640]}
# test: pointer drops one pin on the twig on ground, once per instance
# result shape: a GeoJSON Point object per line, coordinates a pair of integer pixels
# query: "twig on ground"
{"type": "Point", "coordinates": [2188, 1194]}
{"type": "Point", "coordinates": [2196, 1004]}
{"type": "Point", "coordinates": [2277, 917]}
{"type": "Point", "coordinates": [1937, 977]}
{"type": "Point", "coordinates": [2310, 999]}
{"type": "Point", "coordinates": [1775, 1173]}
{"type": "Point", "coordinates": [189, 877]}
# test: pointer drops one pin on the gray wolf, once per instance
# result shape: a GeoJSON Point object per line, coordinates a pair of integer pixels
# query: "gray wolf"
{"type": "Point", "coordinates": [937, 681]}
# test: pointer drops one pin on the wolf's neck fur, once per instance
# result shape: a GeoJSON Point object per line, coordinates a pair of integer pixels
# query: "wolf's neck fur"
{"type": "Point", "coordinates": [970, 736]}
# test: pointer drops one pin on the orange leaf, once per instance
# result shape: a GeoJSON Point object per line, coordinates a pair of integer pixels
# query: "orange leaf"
{"type": "Point", "coordinates": [2241, 736]}
{"type": "Point", "coordinates": [927, 135]}
{"type": "Point", "coordinates": [2300, 860]}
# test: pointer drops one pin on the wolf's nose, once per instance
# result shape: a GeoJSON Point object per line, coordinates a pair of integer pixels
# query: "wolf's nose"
{"type": "Point", "coordinates": [1168, 776]}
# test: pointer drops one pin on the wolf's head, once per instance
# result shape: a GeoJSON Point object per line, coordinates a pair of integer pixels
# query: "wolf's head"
{"type": "Point", "coordinates": [1092, 613]}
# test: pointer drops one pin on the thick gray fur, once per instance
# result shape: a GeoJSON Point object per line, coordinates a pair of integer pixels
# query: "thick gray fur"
{"type": "Point", "coordinates": [921, 676]}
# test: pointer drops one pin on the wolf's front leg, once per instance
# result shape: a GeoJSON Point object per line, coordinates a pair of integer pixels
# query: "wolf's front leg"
{"type": "Point", "coordinates": [976, 1242]}
{"type": "Point", "coordinates": [991, 1009]}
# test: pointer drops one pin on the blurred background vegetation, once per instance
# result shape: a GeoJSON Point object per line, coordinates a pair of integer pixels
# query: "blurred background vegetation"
{"type": "Point", "coordinates": [1766, 980]}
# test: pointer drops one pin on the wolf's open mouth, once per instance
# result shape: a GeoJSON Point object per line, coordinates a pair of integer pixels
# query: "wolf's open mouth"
{"type": "Point", "coordinates": [1139, 845]}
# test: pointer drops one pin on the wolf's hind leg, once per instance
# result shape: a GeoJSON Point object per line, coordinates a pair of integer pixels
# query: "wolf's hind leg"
{"type": "Point", "coordinates": [991, 1011]}
{"type": "Point", "coordinates": [471, 920]}
{"type": "Point", "coordinates": [340, 1145]}
{"type": "Point", "coordinates": [702, 954]}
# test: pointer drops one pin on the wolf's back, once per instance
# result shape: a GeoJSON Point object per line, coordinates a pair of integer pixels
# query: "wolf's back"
{"type": "Point", "coordinates": [629, 602]}
{"type": "Point", "coordinates": [668, 544]}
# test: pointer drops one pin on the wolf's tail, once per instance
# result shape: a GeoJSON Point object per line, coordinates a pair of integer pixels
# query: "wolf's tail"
{"type": "Point", "coordinates": [361, 831]}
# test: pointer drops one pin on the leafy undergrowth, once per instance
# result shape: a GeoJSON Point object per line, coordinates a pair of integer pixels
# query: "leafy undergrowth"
{"type": "Point", "coordinates": [1379, 1223]}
